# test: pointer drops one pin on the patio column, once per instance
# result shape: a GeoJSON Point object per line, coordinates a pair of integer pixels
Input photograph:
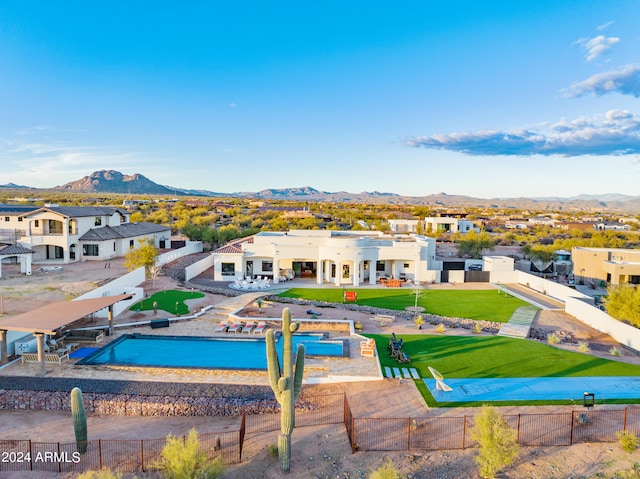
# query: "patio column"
{"type": "Point", "coordinates": [372, 273]}
{"type": "Point", "coordinates": [356, 273]}
{"type": "Point", "coordinates": [336, 280]}
{"type": "Point", "coordinates": [110, 319]}
{"type": "Point", "coordinates": [319, 272]}
{"type": "Point", "coordinates": [276, 270]}
{"type": "Point", "coordinates": [43, 366]}
{"type": "Point", "coordinates": [3, 346]}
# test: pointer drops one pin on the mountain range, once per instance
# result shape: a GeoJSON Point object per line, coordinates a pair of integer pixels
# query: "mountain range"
{"type": "Point", "coordinates": [110, 181]}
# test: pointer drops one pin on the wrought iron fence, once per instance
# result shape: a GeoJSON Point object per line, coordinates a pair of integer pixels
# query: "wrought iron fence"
{"type": "Point", "coordinates": [436, 433]}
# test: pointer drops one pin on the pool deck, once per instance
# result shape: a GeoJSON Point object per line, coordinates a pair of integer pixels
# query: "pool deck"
{"type": "Point", "coordinates": [317, 370]}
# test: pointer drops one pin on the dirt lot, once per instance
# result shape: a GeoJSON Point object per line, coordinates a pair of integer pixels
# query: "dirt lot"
{"type": "Point", "coordinates": [319, 452]}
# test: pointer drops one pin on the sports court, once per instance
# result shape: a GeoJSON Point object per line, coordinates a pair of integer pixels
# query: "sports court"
{"type": "Point", "coordinates": [533, 389]}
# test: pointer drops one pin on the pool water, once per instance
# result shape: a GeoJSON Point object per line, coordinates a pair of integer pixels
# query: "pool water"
{"type": "Point", "coordinates": [203, 352]}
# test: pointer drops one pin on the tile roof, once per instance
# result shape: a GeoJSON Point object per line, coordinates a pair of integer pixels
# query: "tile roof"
{"type": "Point", "coordinates": [80, 211]}
{"type": "Point", "coordinates": [14, 249]}
{"type": "Point", "coordinates": [126, 230]}
{"type": "Point", "coordinates": [11, 210]}
{"type": "Point", "coordinates": [234, 247]}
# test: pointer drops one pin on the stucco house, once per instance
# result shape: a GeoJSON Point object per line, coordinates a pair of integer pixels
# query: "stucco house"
{"type": "Point", "coordinates": [611, 265]}
{"type": "Point", "coordinates": [329, 256]}
{"type": "Point", "coordinates": [64, 234]}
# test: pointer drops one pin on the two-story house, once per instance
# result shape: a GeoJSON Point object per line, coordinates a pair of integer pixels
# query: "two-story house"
{"type": "Point", "coordinates": [64, 234]}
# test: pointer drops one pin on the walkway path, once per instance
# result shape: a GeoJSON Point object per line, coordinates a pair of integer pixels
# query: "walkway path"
{"type": "Point", "coordinates": [520, 322]}
{"type": "Point", "coordinates": [531, 296]}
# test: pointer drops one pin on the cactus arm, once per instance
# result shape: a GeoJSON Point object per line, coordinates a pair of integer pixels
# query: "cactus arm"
{"type": "Point", "coordinates": [273, 365]}
{"type": "Point", "coordinates": [299, 373]}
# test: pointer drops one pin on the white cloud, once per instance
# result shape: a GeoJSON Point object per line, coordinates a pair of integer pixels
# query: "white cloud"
{"type": "Point", "coordinates": [617, 132]}
{"type": "Point", "coordinates": [604, 26]}
{"type": "Point", "coordinates": [46, 163]}
{"type": "Point", "coordinates": [597, 46]}
{"type": "Point", "coordinates": [625, 80]}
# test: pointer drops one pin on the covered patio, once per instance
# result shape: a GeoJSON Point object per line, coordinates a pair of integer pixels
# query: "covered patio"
{"type": "Point", "coordinates": [47, 320]}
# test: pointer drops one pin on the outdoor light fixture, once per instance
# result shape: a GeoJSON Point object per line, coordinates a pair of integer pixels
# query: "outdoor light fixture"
{"type": "Point", "coordinates": [588, 399]}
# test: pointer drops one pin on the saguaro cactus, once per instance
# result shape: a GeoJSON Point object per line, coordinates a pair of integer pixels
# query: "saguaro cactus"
{"type": "Point", "coordinates": [79, 420]}
{"type": "Point", "coordinates": [285, 382]}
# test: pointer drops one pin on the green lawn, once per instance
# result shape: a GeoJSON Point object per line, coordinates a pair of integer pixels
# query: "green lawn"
{"type": "Point", "coordinates": [485, 305]}
{"type": "Point", "coordinates": [171, 301]}
{"type": "Point", "coordinates": [495, 357]}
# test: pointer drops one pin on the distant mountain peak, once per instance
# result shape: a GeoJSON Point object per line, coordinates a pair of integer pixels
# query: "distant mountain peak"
{"type": "Point", "coordinates": [111, 181]}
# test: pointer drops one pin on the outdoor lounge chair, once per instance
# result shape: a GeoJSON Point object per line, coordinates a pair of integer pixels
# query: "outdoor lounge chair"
{"type": "Point", "coordinates": [249, 327]}
{"type": "Point", "coordinates": [221, 328]}
{"type": "Point", "coordinates": [440, 385]}
{"type": "Point", "coordinates": [259, 329]}
{"type": "Point", "coordinates": [234, 328]}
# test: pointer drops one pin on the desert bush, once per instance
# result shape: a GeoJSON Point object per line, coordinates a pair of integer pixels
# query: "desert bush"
{"type": "Point", "coordinates": [553, 338]}
{"type": "Point", "coordinates": [614, 351]}
{"type": "Point", "coordinates": [477, 328]}
{"type": "Point", "coordinates": [183, 459]}
{"type": "Point", "coordinates": [273, 450]}
{"type": "Point", "coordinates": [101, 474]}
{"type": "Point", "coordinates": [440, 328]}
{"type": "Point", "coordinates": [628, 441]}
{"type": "Point", "coordinates": [386, 471]}
{"type": "Point", "coordinates": [497, 442]}
{"type": "Point", "coordinates": [583, 347]}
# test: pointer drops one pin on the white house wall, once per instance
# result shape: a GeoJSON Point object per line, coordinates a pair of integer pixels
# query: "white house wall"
{"type": "Point", "coordinates": [326, 248]}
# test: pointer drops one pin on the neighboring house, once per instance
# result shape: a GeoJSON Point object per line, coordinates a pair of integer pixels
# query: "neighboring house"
{"type": "Point", "coordinates": [328, 256]}
{"type": "Point", "coordinates": [612, 226]}
{"type": "Point", "coordinates": [447, 224]}
{"type": "Point", "coordinates": [614, 266]}
{"type": "Point", "coordinates": [403, 226]}
{"type": "Point", "coordinates": [66, 234]}
{"type": "Point", "coordinates": [542, 221]}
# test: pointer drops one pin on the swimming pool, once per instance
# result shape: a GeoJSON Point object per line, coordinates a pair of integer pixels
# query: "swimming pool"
{"type": "Point", "coordinates": [204, 352]}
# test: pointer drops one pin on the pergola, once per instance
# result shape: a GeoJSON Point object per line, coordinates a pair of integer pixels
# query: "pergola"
{"type": "Point", "coordinates": [50, 318]}
{"type": "Point", "coordinates": [23, 254]}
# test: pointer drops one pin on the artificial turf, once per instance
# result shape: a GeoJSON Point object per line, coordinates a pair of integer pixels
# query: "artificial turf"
{"type": "Point", "coordinates": [487, 305]}
{"type": "Point", "coordinates": [494, 357]}
{"type": "Point", "coordinates": [171, 301]}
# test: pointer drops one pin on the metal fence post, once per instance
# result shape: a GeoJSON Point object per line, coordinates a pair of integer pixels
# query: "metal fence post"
{"type": "Point", "coordinates": [100, 452]}
{"type": "Point", "coordinates": [518, 437]}
{"type": "Point", "coordinates": [464, 432]}
{"type": "Point", "coordinates": [571, 433]}
{"type": "Point", "coordinates": [624, 425]}
{"type": "Point", "coordinates": [142, 453]}
{"type": "Point", "coordinates": [408, 434]}
{"type": "Point", "coordinates": [30, 457]}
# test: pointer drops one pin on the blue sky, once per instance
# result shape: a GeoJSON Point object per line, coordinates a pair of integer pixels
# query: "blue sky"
{"type": "Point", "coordinates": [487, 99]}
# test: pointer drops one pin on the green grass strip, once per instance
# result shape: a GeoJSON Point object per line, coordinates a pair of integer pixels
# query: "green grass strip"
{"type": "Point", "coordinates": [171, 301]}
{"type": "Point", "coordinates": [485, 305]}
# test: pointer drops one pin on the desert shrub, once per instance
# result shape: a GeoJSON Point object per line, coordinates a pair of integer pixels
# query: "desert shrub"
{"type": "Point", "coordinates": [440, 328]}
{"type": "Point", "coordinates": [273, 450]}
{"type": "Point", "coordinates": [386, 471]}
{"type": "Point", "coordinates": [477, 328]}
{"type": "Point", "coordinates": [632, 473]}
{"type": "Point", "coordinates": [101, 474]}
{"type": "Point", "coordinates": [497, 442]}
{"type": "Point", "coordinates": [553, 338]}
{"type": "Point", "coordinates": [183, 459]}
{"type": "Point", "coordinates": [628, 441]}
{"type": "Point", "coordinates": [583, 347]}
{"type": "Point", "coordinates": [614, 351]}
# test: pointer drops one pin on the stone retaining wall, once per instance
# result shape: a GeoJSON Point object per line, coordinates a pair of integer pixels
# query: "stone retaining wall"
{"type": "Point", "coordinates": [138, 405]}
